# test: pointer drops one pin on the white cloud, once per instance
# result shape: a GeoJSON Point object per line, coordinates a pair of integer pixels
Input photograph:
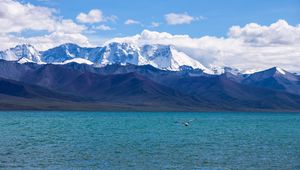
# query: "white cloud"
{"type": "Point", "coordinates": [104, 28]}
{"type": "Point", "coordinates": [250, 47]}
{"type": "Point", "coordinates": [16, 17]}
{"type": "Point", "coordinates": [131, 22]}
{"type": "Point", "coordinates": [278, 33]}
{"type": "Point", "coordinates": [180, 18]}
{"type": "Point", "coordinates": [94, 16]}
{"type": "Point", "coordinates": [155, 24]}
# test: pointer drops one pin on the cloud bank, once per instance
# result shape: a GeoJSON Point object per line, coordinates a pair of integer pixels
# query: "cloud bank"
{"type": "Point", "coordinates": [16, 18]}
{"type": "Point", "coordinates": [252, 47]}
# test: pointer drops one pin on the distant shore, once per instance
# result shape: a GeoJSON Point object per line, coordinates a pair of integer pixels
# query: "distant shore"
{"type": "Point", "coordinates": [28, 105]}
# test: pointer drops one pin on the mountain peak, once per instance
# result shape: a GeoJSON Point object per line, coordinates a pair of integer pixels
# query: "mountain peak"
{"type": "Point", "coordinates": [63, 53]}
{"type": "Point", "coordinates": [274, 71]}
{"type": "Point", "coordinates": [26, 51]}
{"type": "Point", "coordinates": [279, 70]}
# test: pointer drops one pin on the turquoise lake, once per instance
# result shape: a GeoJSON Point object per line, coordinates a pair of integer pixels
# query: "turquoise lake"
{"type": "Point", "coordinates": [111, 140]}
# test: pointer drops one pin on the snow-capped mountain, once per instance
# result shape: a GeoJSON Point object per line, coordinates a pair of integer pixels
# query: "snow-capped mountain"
{"type": "Point", "coordinates": [167, 57]}
{"type": "Point", "coordinates": [275, 78]}
{"type": "Point", "coordinates": [160, 56]}
{"type": "Point", "coordinates": [118, 53]}
{"type": "Point", "coordinates": [164, 57]}
{"type": "Point", "coordinates": [23, 53]}
{"type": "Point", "coordinates": [68, 51]}
{"type": "Point", "coordinates": [275, 72]}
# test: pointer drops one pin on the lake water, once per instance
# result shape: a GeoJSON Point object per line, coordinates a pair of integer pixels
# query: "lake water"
{"type": "Point", "coordinates": [102, 140]}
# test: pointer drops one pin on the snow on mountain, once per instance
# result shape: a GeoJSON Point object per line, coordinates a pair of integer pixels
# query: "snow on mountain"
{"type": "Point", "coordinates": [24, 60]}
{"type": "Point", "coordinates": [78, 61]}
{"type": "Point", "coordinates": [280, 70]}
{"type": "Point", "coordinates": [62, 53]}
{"type": "Point", "coordinates": [25, 51]}
{"type": "Point", "coordinates": [159, 56]}
{"type": "Point", "coordinates": [119, 53]}
{"type": "Point", "coordinates": [224, 70]}
{"type": "Point", "coordinates": [168, 58]}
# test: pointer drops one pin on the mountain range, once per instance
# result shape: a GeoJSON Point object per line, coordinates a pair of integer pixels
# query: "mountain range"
{"type": "Point", "coordinates": [159, 56]}
{"type": "Point", "coordinates": [125, 77]}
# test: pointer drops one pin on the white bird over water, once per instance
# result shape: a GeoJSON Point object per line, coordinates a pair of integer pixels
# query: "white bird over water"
{"type": "Point", "coordinates": [187, 123]}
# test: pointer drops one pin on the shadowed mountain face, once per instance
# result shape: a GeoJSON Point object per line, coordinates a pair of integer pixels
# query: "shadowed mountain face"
{"type": "Point", "coordinates": [24, 90]}
{"type": "Point", "coordinates": [13, 89]}
{"type": "Point", "coordinates": [275, 79]}
{"type": "Point", "coordinates": [131, 87]}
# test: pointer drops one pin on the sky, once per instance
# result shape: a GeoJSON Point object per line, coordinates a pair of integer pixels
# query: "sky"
{"type": "Point", "coordinates": [248, 34]}
{"type": "Point", "coordinates": [215, 17]}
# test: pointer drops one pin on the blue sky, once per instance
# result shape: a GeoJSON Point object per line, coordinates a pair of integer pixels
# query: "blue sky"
{"type": "Point", "coordinates": [219, 15]}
